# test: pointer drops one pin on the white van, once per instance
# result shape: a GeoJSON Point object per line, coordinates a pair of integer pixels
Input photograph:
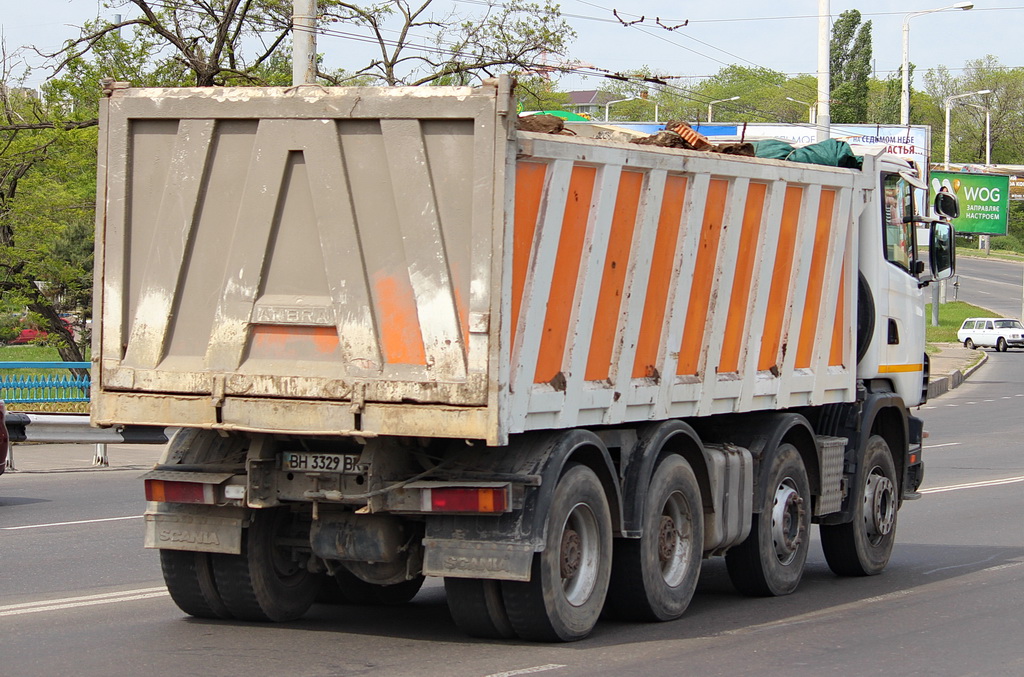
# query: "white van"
{"type": "Point", "coordinates": [994, 332]}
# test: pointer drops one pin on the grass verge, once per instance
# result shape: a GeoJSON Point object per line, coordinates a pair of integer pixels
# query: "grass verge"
{"type": "Point", "coordinates": [951, 316]}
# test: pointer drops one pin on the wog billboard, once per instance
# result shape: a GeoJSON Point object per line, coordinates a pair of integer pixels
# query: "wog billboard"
{"type": "Point", "coordinates": [984, 200]}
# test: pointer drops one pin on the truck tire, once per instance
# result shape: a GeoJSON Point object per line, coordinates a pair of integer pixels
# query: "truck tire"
{"type": "Point", "coordinates": [654, 577]}
{"type": "Point", "coordinates": [477, 607]}
{"type": "Point", "coordinates": [569, 579]}
{"type": "Point", "coordinates": [863, 547]}
{"type": "Point", "coordinates": [265, 583]}
{"type": "Point", "coordinates": [189, 579]}
{"type": "Point", "coordinates": [344, 587]}
{"type": "Point", "coordinates": [770, 562]}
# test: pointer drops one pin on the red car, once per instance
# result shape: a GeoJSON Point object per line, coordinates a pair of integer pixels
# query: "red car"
{"type": "Point", "coordinates": [3, 438]}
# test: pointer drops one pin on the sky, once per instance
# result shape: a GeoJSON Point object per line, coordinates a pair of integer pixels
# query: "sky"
{"type": "Point", "coordinates": [781, 36]}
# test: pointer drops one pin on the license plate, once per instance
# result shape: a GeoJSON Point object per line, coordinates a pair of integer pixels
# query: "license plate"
{"type": "Point", "coordinates": [346, 464]}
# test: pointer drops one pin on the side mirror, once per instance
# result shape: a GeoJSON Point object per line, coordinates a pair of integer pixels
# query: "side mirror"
{"type": "Point", "coordinates": [942, 249]}
{"type": "Point", "coordinates": [946, 205]}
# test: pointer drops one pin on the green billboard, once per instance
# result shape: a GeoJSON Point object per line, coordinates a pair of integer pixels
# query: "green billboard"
{"type": "Point", "coordinates": [984, 200]}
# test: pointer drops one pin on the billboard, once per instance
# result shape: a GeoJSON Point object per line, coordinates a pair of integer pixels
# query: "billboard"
{"type": "Point", "coordinates": [984, 200]}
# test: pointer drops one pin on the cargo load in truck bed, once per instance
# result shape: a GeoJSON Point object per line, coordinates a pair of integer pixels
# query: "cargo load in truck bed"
{"type": "Point", "coordinates": [403, 262]}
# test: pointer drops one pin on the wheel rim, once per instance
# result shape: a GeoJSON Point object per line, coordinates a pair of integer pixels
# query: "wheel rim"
{"type": "Point", "coordinates": [579, 554]}
{"type": "Point", "coordinates": [787, 521]}
{"type": "Point", "coordinates": [675, 540]}
{"type": "Point", "coordinates": [879, 505]}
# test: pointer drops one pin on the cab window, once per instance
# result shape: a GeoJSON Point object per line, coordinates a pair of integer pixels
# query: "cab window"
{"type": "Point", "coordinates": [897, 215]}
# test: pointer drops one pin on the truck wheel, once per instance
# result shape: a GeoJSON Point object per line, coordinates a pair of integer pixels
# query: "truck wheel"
{"type": "Point", "coordinates": [862, 547]}
{"type": "Point", "coordinates": [1001, 345]}
{"type": "Point", "coordinates": [771, 560]}
{"type": "Point", "coordinates": [344, 587]}
{"type": "Point", "coordinates": [189, 579]}
{"type": "Point", "coordinates": [969, 344]}
{"type": "Point", "coordinates": [654, 577]}
{"type": "Point", "coordinates": [265, 583]}
{"type": "Point", "coordinates": [477, 608]}
{"type": "Point", "coordinates": [569, 578]}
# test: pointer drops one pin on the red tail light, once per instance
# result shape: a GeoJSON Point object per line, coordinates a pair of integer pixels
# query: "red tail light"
{"type": "Point", "coordinates": [468, 499]}
{"type": "Point", "coordinates": [164, 491]}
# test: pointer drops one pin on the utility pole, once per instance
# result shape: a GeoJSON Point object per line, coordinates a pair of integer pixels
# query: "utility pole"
{"type": "Point", "coordinates": [824, 115]}
{"type": "Point", "coordinates": [303, 42]}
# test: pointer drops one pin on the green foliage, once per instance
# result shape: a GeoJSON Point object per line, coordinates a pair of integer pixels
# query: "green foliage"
{"type": "Point", "coordinates": [537, 93]}
{"type": "Point", "coordinates": [850, 62]}
{"type": "Point", "coordinates": [10, 328]}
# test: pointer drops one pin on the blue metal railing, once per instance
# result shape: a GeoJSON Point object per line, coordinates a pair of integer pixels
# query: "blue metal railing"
{"type": "Point", "coordinates": [46, 387]}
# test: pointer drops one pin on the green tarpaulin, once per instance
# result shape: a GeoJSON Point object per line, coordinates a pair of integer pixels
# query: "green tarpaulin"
{"type": "Point", "coordinates": [831, 152]}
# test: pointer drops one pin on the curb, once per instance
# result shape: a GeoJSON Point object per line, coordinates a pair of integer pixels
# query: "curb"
{"type": "Point", "coordinates": [943, 385]}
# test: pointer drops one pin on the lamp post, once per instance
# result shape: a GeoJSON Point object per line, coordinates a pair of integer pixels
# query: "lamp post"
{"type": "Point", "coordinates": [632, 98]}
{"type": "Point", "coordinates": [948, 103]}
{"type": "Point", "coordinates": [810, 108]}
{"type": "Point", "coordinates": [711, 104]}
{"type": "Point", "coordinates": [905, 98]}
{"type": "Point", "coordinates": [607, 105]}
{"type": "Point", "coordinates": [988, 131]}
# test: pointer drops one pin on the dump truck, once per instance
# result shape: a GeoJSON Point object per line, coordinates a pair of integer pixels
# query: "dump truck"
{"type": "Point", "coordinates": [402, 339]}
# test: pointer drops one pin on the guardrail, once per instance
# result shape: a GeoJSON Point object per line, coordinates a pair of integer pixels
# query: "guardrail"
{"type": "Point", "coordinates": [62, 428]}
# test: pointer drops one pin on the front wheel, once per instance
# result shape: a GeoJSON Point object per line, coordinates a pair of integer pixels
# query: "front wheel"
{"type": "Point", "coordinates": [1001, 345]}
{"type": "Point", "coordinates": [863, 547]}
{"type": "Point", "coordinates": [266, 582]}
{"type": "Point", "coordinates": [969, 344]}
{"type": "Point", "coordinates": [771, 560]}
{"type": "Point", "coordinates": [654, 577]}
{"type": "Point", "coordinates": [569, 578]}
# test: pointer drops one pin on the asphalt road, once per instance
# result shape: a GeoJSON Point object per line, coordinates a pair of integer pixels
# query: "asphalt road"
{"type": "Point", "coordinates": [989, 283]}
{"type": "Point", "coordinates": [79, 595]}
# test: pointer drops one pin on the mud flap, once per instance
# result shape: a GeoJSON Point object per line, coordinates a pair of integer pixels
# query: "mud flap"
{"type": "Point", "coordinates": [195, 528]}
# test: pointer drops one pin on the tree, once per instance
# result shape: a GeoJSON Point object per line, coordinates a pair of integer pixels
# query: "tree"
{"type": "Point", "coordinates": [850, 63]}
{"type": "Point", "coordinates": [967, 123]}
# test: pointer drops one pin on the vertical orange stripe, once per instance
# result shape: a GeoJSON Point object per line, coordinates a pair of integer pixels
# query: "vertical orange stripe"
{"type": "Point", "coordinates": [778, 296]}
{"type": "Point", "coordinates": [609, 303]}
{"type": "Point", "coordinates": [815, 280]}
{"type": "Point", "coordinates": [662, 266]}
{"type": "Point", "coordinates": [566, 275]}
{"type": "Point", "coordinates": [838, 352]}
{"type": "Point", "coordinates": [400, 336]}
{"type": "Point", "coordinates": [746, 259]}
{"type": "Point", "coordinates": [703, 278]}
{"type": "Point", "coordinates": [530, 178]}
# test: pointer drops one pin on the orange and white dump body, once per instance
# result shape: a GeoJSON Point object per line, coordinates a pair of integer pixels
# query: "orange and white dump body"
{"type": "Point", "coordinates": [403, 262]}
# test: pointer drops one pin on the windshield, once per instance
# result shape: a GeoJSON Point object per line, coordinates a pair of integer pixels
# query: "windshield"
{"type": "Point", "coordinates": [897, 215]}
{"type": "Point", "coordinates": [1008, 324]}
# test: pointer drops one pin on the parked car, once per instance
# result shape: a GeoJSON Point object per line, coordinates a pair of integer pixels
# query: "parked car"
{"type": "Point", "coordinates": [993, 332]}
{"type": "Point", "coordinates": [3, 437]}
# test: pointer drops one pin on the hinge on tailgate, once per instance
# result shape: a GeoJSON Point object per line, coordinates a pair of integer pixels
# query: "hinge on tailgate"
{"type": "Point", "coordinates": [217, 391]}
{"type": "Point", "coordinates": [358, 398]}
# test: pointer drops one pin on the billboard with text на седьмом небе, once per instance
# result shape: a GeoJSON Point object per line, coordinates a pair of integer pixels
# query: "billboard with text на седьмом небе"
{"type": "Point", "coordinates": [984, 200]}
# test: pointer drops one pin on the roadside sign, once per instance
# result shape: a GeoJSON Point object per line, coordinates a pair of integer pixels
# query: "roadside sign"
{"type": "Point", "coordinates": [984, 200]}
{"type": "Point", "coordinates": [1017, 187]}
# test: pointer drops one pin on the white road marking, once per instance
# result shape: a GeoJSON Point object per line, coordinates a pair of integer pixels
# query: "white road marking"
{"type": "Point", "coordinates": [527, 671]}
{"type": "Point", "coordinates": [64, 524]}
{"type": "Point", "coordinates": [973, 485]}
{"type": "Point", "coordinates": [87, 600]}
{"type": "Point", "coordinates": [945, 444]}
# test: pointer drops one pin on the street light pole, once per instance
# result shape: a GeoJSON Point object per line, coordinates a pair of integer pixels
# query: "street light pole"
{"type": "Point", "coordinates": [988, 131]}
{"type": "Point", "coordinates": [810, 108]}
{"type": "Point", "coordinates": [905, 97]}
{"type": "Point", "coordinates": [608, 105]}
{"type": "Point", "coordinates": [948, 102]}
{"type": "Point", "coordinates": [712, 103]}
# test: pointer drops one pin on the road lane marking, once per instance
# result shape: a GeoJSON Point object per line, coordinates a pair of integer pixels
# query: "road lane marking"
{"type": "Point", "coordinates": [972, 485]}
{"type": "Point", "coordinates": [86, 600]}
{"type": "Point", "coordinates": [841, 609]}
{"type": "Point", "coordinates": [527, 671]}
{"type": "Point", "coordinates": [64, 524]}
{"type": "Point", "coordinates": [944, 444]}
